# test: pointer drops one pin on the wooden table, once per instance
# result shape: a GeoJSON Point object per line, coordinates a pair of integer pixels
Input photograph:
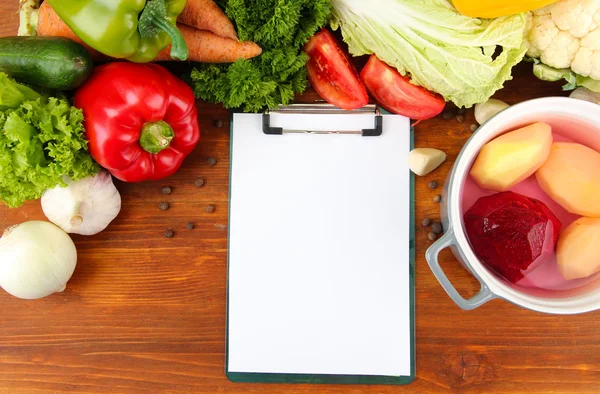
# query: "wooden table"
{"type": "Point", "coordinates": [144, 313]}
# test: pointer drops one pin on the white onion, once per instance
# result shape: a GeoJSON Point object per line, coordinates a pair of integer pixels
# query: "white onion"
{"type": "Point", "coordinates": [36, 259]}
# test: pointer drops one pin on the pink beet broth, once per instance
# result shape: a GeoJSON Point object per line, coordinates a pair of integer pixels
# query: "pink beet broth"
{"type": "Point", "coordinates": [545, 276]}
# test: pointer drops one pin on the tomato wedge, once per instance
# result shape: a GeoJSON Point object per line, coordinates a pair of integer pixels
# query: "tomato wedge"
{"type": "Point", "coordinates": [331, 73]}
{"type": "Point", "coordinates": [395, 93]}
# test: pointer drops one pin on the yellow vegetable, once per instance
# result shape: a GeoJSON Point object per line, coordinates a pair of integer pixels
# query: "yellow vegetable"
{"type": "Point", "coordinates": [578, 249]}
{"type": "Point", "coordinates": [571, 177]}
{"type": "Point", "coordinates": [512, 157]}
{"type": "Point", "coordinates": [497, 8]}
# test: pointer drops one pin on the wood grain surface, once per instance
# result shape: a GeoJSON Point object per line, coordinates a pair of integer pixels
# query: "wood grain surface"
{"type": "Point", "coordinates": [146, 314]}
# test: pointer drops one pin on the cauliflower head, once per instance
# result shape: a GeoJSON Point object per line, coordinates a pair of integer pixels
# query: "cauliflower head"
{"type": "Point", "coordinates": [566, 34]}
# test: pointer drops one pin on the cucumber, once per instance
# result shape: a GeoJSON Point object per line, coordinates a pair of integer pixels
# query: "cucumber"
{"type": "Point", "coordinates": [50, 62]}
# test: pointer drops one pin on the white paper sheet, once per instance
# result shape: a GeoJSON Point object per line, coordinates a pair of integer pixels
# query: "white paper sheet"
{"type": "Point", "coordinates": [319, 248]}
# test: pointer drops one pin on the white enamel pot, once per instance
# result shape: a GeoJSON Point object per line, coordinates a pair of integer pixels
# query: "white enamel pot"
{"type": "Point", "coordinates": [585, 119]}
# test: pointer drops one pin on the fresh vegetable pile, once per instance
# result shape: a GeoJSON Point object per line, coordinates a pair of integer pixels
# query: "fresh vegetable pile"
{"type": "Point", "coordinates": [426, 53]}
{"type": "Point", "coordinates": [207, 32]}
{"type": "Point", "coordinates": [136, 121]}
{"type": "Point", "coordinates": [274, 77]}
{"type": "Point", "coordinates": [442, 50]}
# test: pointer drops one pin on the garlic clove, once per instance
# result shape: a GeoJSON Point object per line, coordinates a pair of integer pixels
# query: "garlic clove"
{"type": "Point", "coordinates": [86, 206]}
{"type": "Point", "coordinates": [586, 95]}
{"type": "Point", "coordinates": [422, 161]}
{"type": "Point", "coordinates": [484, 111]}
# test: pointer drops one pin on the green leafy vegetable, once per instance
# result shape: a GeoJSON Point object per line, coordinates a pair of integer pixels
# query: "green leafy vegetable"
{"type": "Point", "coordinates": [442, 50]}
{"type": "Point", "coordinates": [280, 27]}
{"type": "Point", "coordinates": [12, 94]}
{"type": "Point", "coordinates": [41, 140]}
{"type": "Point", "coordinates": [547, 73]}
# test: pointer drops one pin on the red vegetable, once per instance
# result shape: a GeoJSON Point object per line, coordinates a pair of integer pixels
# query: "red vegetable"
{"type": "Point", "coordinates": [511, 234]}
{"type": "Point", "coordinates": [331, 73]}
{"type": "Point", "coordinates": [140, 120]}
{"type": "Point", "coordinates": [395, 93]}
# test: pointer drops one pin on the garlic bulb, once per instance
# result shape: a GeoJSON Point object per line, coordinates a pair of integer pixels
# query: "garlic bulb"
{"type": "Point", "coordinates": [85, 206]}
{"type": "Point", "coordinates": [36, 259]}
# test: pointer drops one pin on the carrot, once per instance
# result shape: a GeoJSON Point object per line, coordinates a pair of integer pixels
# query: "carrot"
{"type": "Point", "coordinates": [206, 46]}
{"type": "Point", "coordinates": [206, 15]}
{"type": "Point", "coordinates": [50, 24]}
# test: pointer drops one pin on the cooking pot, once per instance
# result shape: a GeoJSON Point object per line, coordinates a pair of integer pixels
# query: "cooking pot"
{"type": "Point", "coordinates": [583, 120]}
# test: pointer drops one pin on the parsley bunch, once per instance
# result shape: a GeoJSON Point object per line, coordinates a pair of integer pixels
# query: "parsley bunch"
{"type": "Point", "coordinates": [281, 28]}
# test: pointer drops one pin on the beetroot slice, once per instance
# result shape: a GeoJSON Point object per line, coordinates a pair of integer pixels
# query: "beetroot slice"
{"type": "Point", "coordinates": [511, 233]}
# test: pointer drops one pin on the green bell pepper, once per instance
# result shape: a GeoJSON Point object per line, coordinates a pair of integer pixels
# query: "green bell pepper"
{"type": "Point", "coordinates": [136, 30]}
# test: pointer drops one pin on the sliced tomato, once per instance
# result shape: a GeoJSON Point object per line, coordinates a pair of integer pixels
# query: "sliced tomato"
{"type": "Point", "coordinates": [331, 73]}
{"type": "Point", "coordinates": [396, 94]}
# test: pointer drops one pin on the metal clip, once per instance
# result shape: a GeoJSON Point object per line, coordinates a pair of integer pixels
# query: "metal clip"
{"type": "Point", "coordinates": [323, 109]}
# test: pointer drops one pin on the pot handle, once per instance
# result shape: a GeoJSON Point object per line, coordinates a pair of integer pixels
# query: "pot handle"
{"type": "Point", "coordinates": [484, 295]}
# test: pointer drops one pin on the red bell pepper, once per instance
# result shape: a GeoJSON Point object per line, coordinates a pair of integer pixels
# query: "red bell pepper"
{"type": "Point", "coordinates": [141, 121]}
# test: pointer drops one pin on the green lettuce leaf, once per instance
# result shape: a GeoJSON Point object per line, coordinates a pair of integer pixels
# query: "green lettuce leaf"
{"type": "Point", "coordinates": [12, 94]}
{"type": "Point", "coordinates": [464, 59]}
{"type": "Point", "coordinates": [41, 141]}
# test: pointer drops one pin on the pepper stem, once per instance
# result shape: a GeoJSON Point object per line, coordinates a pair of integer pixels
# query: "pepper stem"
{"type": "Point", "coordinates": [156, 136]}
{"type": "Point", "coordinates": [153, 18]}
{"type": "Point", "coordinates": [179, 49]}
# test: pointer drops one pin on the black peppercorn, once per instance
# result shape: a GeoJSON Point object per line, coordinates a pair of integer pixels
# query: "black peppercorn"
{"type": "Point", "coordinates": [433, 184]}
{"type": "Point", "coordinates": [163, 206]}
{"type": "Point", "coordinates": [425, 222]}
{"type": "Point", "coordinates": [460, 118]}
{"type": "Point", "coordinates": [437, 198]}
{"type": "Point", "coordinates": [210, 208]}
{"type": "Point", "coordinates": [449, 113]}
{"type": "Point", "coordinates": [169, 233]}
{"type": "Point", "coordinates": [474, 127]}
{"type": "Point", "coordinates": [199, 182]}
{"type": "Point", "coordinates": [436, 228]}
{"type": "Point", "coordinates": [189, 226]}
{"type": "Point", "coordinates": [218, 123]}
{"type": "Point", "coordinates": [431, 236]}
{"type": "Point", "coordinates": [166, 190]}
{"type": "Point", "coordinates": [461, 110]}
{"type": "Point", "coordinates": [211, 161]}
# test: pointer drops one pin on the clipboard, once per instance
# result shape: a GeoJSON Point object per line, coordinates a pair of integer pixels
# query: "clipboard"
{"type": "Point", "coordinates": [276, 367]}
